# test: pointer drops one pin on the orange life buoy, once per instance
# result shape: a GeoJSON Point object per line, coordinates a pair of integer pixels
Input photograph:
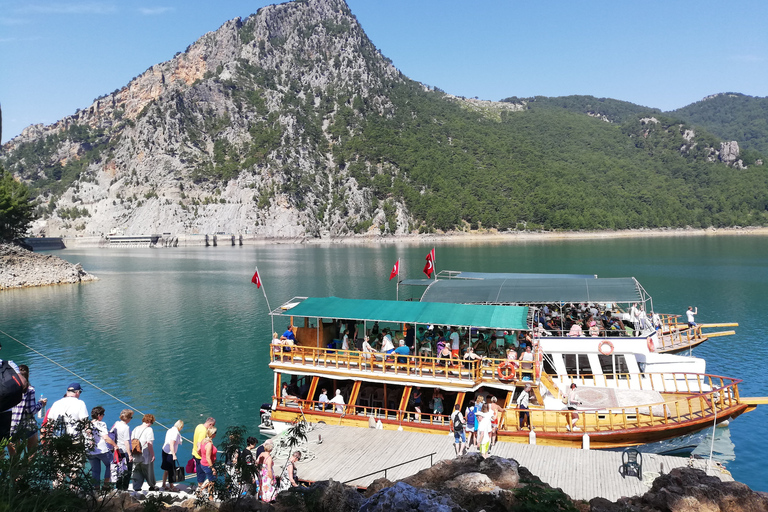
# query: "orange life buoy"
{"type": "Point", "coordinates": [605, 347]}
{"type": "Point", "coordinates": [651, 345]}
{"type": "Point", "coordinates": [507, 370]}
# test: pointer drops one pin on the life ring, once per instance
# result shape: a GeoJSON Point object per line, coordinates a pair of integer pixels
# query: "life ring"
{"type": "Point", "coordinates": [605, 347]}
{"type": "Point", "coordinates": [651, 345]}
{"type": "Point", "coordinates": [507, 370]}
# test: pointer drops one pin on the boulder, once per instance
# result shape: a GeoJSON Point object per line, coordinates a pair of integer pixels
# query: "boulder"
{"type": "Point", "coordinates": [402, 497]}
{"type": "Point", "coordinates": [326, 496]}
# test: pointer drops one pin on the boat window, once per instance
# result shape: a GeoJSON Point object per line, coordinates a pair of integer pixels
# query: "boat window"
{"type": "Point", "coordinates": [607, 364]}
{"type": "Point", "coordinates": [577, 364]}
{"type": "Point", "coordinates": [549, 364]}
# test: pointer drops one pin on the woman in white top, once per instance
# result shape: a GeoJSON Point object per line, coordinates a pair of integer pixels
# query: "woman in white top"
{"type": "Point", "coordinates": [102, 447]}
{"type": "Point", "coordinates": [367, 349]}
{"type": "Point", "coordinates": [121, 473]}
{"type": "Point", "coordinates": [484, 427]}
{"type": "Point", "coordinates": [170, 450]}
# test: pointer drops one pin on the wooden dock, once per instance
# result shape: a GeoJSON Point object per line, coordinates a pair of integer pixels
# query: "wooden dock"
{"type": "Point", "coordinates": [346, 453]}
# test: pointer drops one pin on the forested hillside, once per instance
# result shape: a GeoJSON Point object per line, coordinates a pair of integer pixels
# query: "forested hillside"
{"type": "Point", "coordinates": [290, 123]}
{"type": "Point", "coordinates": [733, 116]}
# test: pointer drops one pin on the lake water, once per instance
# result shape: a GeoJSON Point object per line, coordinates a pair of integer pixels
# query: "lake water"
{"type": "Point", "coordinates": [182, 333]}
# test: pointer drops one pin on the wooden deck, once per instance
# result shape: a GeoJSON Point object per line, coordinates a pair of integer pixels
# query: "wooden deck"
{"type": "Point", "coordinates": [349, 452]}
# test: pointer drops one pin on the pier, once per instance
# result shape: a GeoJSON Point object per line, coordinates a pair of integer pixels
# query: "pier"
{"type": "Point", "coordinates": [348, 453]}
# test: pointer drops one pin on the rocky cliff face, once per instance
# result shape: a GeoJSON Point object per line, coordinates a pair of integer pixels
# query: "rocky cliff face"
{"type": "Point", "coordinates": [234, 135]}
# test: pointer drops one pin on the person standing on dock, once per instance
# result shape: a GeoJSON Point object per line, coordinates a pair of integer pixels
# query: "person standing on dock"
{"type": "Point", "coordinates": [457, 426]}
{"type": "Point", "coordinates": [70, 408]}
{"type": "Point", "coordinates": [690, 314]}
{"type": "Point", "coordinates": [522, 403]}
{"type": "Point", "coordinates": [144, 460]}
{"type": "Point", "coordinates": [200, 432]}
{"type": "Point", "coordinates": [23, 424]}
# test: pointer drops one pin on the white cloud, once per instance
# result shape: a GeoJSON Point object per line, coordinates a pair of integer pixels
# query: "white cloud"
{"type": "Point", "coordinates": [747, 58]}
{"type": "Point", "coordinates": [154, 11]}
{"type": "Point", "coordinates": [9, 22]}
{"type": "Point", "coordinates": [70, 8]}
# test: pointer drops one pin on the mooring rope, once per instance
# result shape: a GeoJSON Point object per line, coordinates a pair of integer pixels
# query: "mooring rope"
{"type": "Point", "coordinates": [80, 377]}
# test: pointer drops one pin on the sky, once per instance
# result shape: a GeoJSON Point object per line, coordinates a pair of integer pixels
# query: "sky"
{"type": "Point", "coordinates": [58, 56]}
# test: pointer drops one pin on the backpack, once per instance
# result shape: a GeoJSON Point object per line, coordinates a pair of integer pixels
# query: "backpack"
{"type": "Point", "coordinates": [471, 416]}
{"type": "Point", "coordinates": [12, 386]}
{"type": "Point", "coordinates": [458, 425]}
{"type": "Point", "coordinates": [136, 444]}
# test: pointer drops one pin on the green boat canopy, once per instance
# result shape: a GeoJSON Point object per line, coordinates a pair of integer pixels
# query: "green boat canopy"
{"type": "Point", "coordinates": [545, 290]}
{"type": "Point", "coordinates": [484, 317]}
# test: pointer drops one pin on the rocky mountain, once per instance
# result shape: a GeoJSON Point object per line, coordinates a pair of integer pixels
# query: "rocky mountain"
{"type": "Point", "coordinates": [291, 124]}
{"type": "Point", "coordinates": [732, 116]}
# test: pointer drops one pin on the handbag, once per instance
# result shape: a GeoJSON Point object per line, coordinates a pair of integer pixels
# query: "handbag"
{"type": "Point", "coordinates": [179, 475]}
{"type": "Point", "coordinates": [191, 465]}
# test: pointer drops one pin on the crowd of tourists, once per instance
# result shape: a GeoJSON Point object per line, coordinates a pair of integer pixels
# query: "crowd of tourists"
{"type": "Point", "coordinates": [124, 455]}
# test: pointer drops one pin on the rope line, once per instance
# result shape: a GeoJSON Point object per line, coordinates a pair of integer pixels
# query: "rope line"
{"type": "Point", "coordinates": [80, 377]}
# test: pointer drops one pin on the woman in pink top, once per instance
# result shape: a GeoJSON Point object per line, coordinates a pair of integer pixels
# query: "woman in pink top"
{"type": "Point", "coordinates": [207, 458]}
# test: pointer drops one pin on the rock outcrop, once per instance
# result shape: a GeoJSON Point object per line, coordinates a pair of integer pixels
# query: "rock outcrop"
{"type": "Point", "coordinates": [474, 484]}
{"type": "Point", "coordinates": [20, 268]}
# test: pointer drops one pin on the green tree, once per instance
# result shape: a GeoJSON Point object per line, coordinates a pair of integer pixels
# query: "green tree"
{"type": "Point", "coordinates": [16, 210]}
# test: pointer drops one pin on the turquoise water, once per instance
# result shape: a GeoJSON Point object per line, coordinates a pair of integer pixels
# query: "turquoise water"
{"type": "Point", "coordinates": [182, 333]}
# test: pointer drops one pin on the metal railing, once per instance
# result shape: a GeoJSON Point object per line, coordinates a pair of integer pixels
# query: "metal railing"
{"type": "Point", "coordinates": [394, 466]}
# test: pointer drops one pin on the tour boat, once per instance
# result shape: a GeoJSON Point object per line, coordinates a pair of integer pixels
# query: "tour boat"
{"type": "Point", "coordinates": [627, 394]}
{"type": "Point", "coordinates": [619, 295]}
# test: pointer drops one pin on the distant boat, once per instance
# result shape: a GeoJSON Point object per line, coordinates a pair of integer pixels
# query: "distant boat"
{"type": "Point", "coordinates": [629, 396]}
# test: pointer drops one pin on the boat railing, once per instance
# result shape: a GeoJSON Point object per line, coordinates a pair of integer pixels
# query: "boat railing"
{"type": "Point", "coordinates": [675, 333]}
{"type": "Point", "coordinates": [379, 362]}
{"type": "Point", "coordinates": [671, 382]}
{"type": "Point", "coordinates": [476, 370]}
{"type": "Point", "coordinates": [686, 399]}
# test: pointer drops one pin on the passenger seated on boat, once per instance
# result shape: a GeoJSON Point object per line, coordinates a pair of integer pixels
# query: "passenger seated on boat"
{"type": "Point", "coordinates": [576, 330]}
{"type": "Point", "coordinates": [367, 349]}
{"type": "Point", "coordinates": [594, 330]}
{"type": "Point", "coordinates": [403, 350]}
{"type": "Point", "coordinates": [471, 355]}
{"type": "Point", "coordinates": [526, 363]}
{"type": "Point", "coordinates": [539, 330]}
{"type": "Point", "coordinates": [288, 334]}
{"type": "Point", "coordinates": [445, 354]}
{"type": "Point", "coordinates": [287, 397]}
{"type": "Point", "coordinates": [550, 326]}
{"type": "Point", "coordinates": [425, 347]}
{"type": "Point", "coordinates": [339, 401]}
{"type": "Point", "coordinates": [386, 344]}
{"type": "Point", "coordinates": [323, 399]}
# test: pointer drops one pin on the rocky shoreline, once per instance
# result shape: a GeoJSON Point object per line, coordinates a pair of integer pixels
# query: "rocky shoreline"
{"type": "Point", "coordinates": [473, 484]}
{"type": "Point", "coordinates": [20, 268]}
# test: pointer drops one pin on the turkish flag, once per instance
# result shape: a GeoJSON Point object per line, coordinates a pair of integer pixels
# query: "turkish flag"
{"type": "Point", "coordinates": [431, 255]}
{"type": "Point", "coordinates": [256, 279]}
{"type": "Point", "coordinates": [395, 270]}
{"type": "Point", "coordinates": [429, 267]}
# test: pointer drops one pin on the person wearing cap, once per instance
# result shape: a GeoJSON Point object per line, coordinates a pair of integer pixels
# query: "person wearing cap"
{"type": "Point", "coordinates": [70, 409]}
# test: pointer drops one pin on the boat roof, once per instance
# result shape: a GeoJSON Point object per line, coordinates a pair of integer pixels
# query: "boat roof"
{"type": "Point", "coordinates": [541, 290]}
{"type": "Point", "coordinates": [457, 274]}
{"type": "Point", "coordinates": [430, 313]}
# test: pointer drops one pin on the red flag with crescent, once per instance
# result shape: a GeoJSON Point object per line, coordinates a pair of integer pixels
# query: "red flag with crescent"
{"type": "Point", "coordinates": [395, 270]}
{"type": "Point", "coordinates": [430, 265]}
{"type": "Point", "coordinates": [256, 279]}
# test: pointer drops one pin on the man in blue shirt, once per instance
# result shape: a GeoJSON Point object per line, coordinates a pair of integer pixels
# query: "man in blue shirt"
{"type": "Point", "coordinates": [403, 350]}
{"type": "Point", "coordinates": [288, 334]}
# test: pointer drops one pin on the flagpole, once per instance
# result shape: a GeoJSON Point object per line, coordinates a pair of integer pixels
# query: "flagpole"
{"type": "Point", "coordinates": [397, 293]}
{"type": "Point", "coordinates": [434, 267]}
{"type": "Point", "coordinates": [264, 291]}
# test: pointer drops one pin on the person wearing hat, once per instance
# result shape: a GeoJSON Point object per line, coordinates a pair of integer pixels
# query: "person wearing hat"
{"type": "Point", "coordinates": [70, 408]}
